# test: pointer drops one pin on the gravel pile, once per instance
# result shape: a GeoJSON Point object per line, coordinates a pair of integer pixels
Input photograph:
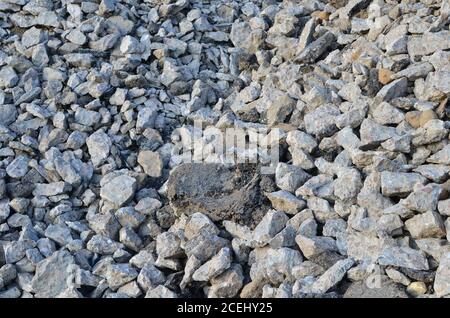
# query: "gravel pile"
{"type": "Point", "coordinates": [98, 200]}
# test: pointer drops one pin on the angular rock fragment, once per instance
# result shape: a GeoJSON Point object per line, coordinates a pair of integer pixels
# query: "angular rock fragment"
{"type": "Point", "coordinates": [99, 146]}
{"type": "Point", "coordinates": [52, 278]}
{"type": "Point", "coordinates": [275, 265]}
{"type": "Point", "coordinates": [313, 246]}
{"type": "Point", "coordinates": [372, 133]}
{"type": "Point", "coordinates": [399, 183]}
{"type": "Point", "coordinates": [397, 88]}
{"type": "Point", "coordinates": [331, 277]}
{"type": "Point", "coordinates": [151, 163]}
{"type": "Point", "coordinates": [272, 223]}
{"type": "Point", "coordinates": [290, 177]}
{"type": "Point", "coordinates": [315, 49]}
{"type": "Point", "coordinates": [18, 167]}
{"type": "Point", "coordinates": [322, 121]}
{"type": "Point", "coordinates": [428, 43]}
{"type": "Point", "coordinates": [214, 267]}
{"type": "Point", "coordinates": [50, 189]}
{"type": "Point", "coordinates": [429, 224]}
{"type": "Point", "coordinates": [285, 201]}
{"type": "Point", "coordinates": [187, 148]}
{"type": "Point", "coordinates": [228, 284]}
{"type": "Point", "coordinates": [403, 257]}
{"type": "Point", "coordinates": [118, 275]}
{"type": "Point", "coordinates": [119, 190]}
{"type": "Point", "coordinates": [424, 198]}
{"type": "Point", "coordinates": [441, 281]}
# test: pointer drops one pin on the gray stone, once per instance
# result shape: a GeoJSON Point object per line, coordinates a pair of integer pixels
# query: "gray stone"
{"type": "Point", "coordinates": [228, 284]}
{"type": "Point", "coordinates": [128, 217]}
{"type": "Point", "coordinates": [192, 264]}
{"type": "Point", "coordinates": [151, 163]}
{"type": "Point", "coordinates": [397, 88]}
{"type": "Point", "coordinates": [428, 43]}
{"type": "Point", "coordinates": [102, 245]}
{"type": "Point", "coordinates": [198, 222]}
{"type": "Point", "coordinates": [444, 207]}
{"type": "Point", "coordinates": [160, 292]}
{"type": "Point", "coordinates": [332, 276]}
{"type": "Point", "coordinates": [214, 267]}
{"type": "Point", "coordinates": [315, 49]}
{"type": "Point", "coordinates": [119, 190]}
{"type": "Point", "coordinates": [373, 134]}
{"type": "Point", "coordinates": [435, 173]}
{"type": "Point", "coordinates": [59, 233]}
{"type": "Point", "coordinates": [33, 36]}
{"type": "Point", "coordinates": [104, 224]}
{"type": "Point", "coordinates": [348, 184]}
{"type": "Point", "coordinates": [322, 121]}
{"type": "Point", "coordinates": [279, 107]}
{"type": "Point", "coordinates": [8, 77]}
{"type": "Point", "coordinates": [424, 198]}
{"type": "Point", "coordinates": [429, 224]}
{"type": "Point", "coordinates": [272, 223]}
{"type": "Point", "coordinates": [204, 245]}
{"type": "Point", "coordinates": [52, 277]}
{"type": "Point", "coordinates": [286, 202]}
{"type": "Point", "coordinates": [306, 37]}
{"type": "Point", "coordinates": [130, 239]}
{"type": "Point", "coordinates": [8, 114]}
{"type": "Point", "coordinates": [150, 277]}
{"type": "Point", "coordinates": [313, 246]}
{"type": "Point", "coordinates": [168, 245]}
{"type": "Point", "coordinates": [4, 210]}
{"type": "Point", "coordinates": [18, 167]}
{"type": "Point", "coordinates": [77, 37]}
{"type": "Point", "coordinates": [118, 275]}
{"type": "Point", "coordinates": [441, 282]}
{"type": "Point", "coordinates": [385, 114]}
{"type": "Point", "coordinates": [238, 231]}
{"type": "Point", "coordinates": [100, 102]}
{"type": "Point", "coordinates": [441, 157]}
{"type": "Point", "coordinates": [8, 273]}
{"type": "Point", "coordinates": [87, 117]}
{"type": "Point", "coordinates": [396, 40]}
{"type": "Point", "coordinates": [244, 37]}
{"type": "Point", "coordinates": [99, 146]}
{"type": "Point", "coordinates": [274, 265]}
{"type": "Point", "coordinates": [51, 189]}
{"type": "Point", "coordinates": [129, 45]}
{"type": "Point", "coordinates": [403, 257]}
{"type": "Point", "coordinates": [290, 177]}
{"type": "Point", "coordinates": [415, 71]}
{"type": "Point", "coordinates": [399, 183]}
{"type": "Point", "coordinates": [299, 139]}
{"type": "Point", "coordinates": [104, 43]}
{"type": "Point", "coordinates": [398, 276]}
{"type": "Point", "coordinates": [13, 292]}
{"type": "Point", "coordinates": [148, 206]}
{"type": "Point", "coordinates": [146, 117]}
{"type": "Point", "coordinates": [433, 247]}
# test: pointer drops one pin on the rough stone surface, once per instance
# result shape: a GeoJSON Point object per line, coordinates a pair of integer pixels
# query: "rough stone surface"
{"type": "Point", "coordinates": [119, 190]}
{"type": "Point", "coordinates": [52, 277]}
{"type": "Point", "coordinates": [188, 148]}
{"type": "Point", "coordinates": [441, 282]}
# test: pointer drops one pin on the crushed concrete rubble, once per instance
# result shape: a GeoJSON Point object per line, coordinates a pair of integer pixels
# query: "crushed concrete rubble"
{"type": "Point", "coordinates": [101, 195]}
